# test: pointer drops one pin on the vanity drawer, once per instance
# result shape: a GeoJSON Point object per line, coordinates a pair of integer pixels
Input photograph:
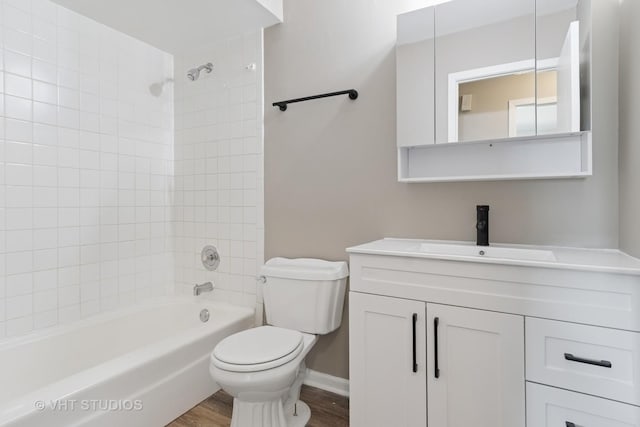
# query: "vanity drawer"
{"type": "Point", "coordinates": [552, 407]}
{"type": "Point", "coordinates": [589, 359]}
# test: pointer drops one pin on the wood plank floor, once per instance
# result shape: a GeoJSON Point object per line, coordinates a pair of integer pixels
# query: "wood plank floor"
{"type": "Point", "coordinates": [327, 410]}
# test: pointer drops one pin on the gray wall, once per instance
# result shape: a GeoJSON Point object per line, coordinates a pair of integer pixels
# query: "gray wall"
{"type": "Point", "coordinates": [630, 127]}
{"type": "Point", "coordinates": [330, 165]}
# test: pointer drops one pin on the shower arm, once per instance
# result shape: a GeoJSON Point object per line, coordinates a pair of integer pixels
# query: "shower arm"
{"type": "Point", "coordinates": [194, 73]}
{"type": "Point", "coordinates": [208, 67]}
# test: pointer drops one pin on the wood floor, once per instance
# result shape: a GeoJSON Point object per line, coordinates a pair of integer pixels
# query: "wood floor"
{"type": "Point", "coordinates": [327, 410]}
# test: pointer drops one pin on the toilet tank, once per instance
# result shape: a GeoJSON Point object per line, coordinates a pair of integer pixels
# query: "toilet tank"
{"type": "Point", "coordinates": [304, 294]}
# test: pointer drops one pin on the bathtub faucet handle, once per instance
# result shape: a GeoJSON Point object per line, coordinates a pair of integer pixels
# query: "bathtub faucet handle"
{"type": "Point", "coordinates": [205, 287]}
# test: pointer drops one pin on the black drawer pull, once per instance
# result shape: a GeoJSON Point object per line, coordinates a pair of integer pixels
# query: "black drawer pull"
{"type": "Point", "coordinates": [415, 363]}
{"type": "Point", "coordinates": [436, 367]}
{"type": "Point", "coordinates": [569, 424]}
{"type": "Point", "coordinates": [603, 363]}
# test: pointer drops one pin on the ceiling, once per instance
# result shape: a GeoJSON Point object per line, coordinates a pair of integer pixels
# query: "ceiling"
{"type": "Point", "coordinates": [175, 25]}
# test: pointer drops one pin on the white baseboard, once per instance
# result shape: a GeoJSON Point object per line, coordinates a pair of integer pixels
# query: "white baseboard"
{"type": "Point", "coordinates": [327, 382]}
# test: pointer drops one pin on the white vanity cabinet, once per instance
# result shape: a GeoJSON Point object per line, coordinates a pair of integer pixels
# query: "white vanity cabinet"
{"type": "Point", "coordinates": [474, 364]}
{"type": "Point", "coordinates": [512, 336]}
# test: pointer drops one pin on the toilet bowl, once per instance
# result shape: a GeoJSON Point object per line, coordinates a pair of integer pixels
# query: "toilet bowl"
{"type": "Point", "coordinates": [266, 385]}
{"type": "Point", "coordinates": [263, 368]}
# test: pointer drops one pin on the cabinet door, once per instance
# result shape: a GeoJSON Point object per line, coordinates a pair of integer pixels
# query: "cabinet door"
{"type": "Point", "coordinates": [475, 368]}
{"type": "Point", "coordinates": [387, 362]}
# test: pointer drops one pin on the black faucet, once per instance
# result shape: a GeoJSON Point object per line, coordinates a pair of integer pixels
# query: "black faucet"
{"type": "Point", "coordinates": [482, 225]}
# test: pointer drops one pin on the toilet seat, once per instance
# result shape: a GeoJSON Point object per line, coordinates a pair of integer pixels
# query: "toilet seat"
{"type": "Point", "coordinates": [257, 349]}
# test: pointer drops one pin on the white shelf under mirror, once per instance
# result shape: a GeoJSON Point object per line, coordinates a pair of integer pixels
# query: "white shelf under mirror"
{"type": "Point", "coordinates": [537, 157]}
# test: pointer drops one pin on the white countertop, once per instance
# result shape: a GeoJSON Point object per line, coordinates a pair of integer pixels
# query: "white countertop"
{"type": "Point", "coordinates": [599, 260]}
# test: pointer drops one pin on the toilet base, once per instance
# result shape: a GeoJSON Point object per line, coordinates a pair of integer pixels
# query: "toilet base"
{"type": "Point", "coordinates": [269, 414]}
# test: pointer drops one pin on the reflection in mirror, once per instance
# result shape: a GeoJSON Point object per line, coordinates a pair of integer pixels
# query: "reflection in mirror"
{"type": "Point", "coordinates": [482, 112]}
{"type": "Point", "coordinates": [415, 77]}
{"type": "Point", "coordinates": [485, 64]}
{"type": "Point", "coordinates": [563, 34]}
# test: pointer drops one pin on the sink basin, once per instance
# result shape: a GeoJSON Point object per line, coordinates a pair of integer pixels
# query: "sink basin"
{"type": "Point", "coordinates": [498, 252]}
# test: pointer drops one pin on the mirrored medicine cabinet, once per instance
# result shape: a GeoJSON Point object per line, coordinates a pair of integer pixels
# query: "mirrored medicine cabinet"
{"type": "Point", "coordinates": [494, 89]}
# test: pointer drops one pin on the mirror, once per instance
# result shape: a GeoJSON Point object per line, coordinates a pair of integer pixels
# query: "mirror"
{"type": "Point", "coordinates": [415, 50]}
{"type": "Point", "coordinates": [477, 70]}
{"type": "Point", "coordinates": [484, 60]}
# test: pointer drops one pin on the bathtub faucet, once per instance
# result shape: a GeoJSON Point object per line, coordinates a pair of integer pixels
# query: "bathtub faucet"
{"type": "Point", "coordinates": [205, 287]}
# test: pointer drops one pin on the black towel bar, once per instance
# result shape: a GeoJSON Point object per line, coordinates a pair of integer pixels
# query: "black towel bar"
{"type": "Point", "coordinates": [353, 94]}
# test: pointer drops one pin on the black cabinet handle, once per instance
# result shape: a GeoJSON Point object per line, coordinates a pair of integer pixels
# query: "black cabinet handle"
{"type": "Point", "coordinates": [569, 424]}
{"type": "Point", "coordinates": [603, 363]}
{"type": "Point", "coordinates": [414, 322]}
{"type": "Point", "coordinates": [436, 370]}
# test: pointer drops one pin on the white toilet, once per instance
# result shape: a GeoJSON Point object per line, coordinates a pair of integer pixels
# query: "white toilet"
{"type": "Point", "coordinates": [263, 368]}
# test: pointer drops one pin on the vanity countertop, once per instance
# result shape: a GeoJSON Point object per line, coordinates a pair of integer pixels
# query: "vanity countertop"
{"type": "Point", "coordinates": [597, 260]}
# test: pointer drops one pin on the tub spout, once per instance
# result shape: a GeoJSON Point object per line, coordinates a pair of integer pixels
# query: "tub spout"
{"type": "Point", "coordinates": [205, 287]}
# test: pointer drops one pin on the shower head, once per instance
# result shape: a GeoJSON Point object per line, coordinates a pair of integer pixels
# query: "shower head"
{"type": "Point", "coordinates": [194, 73]}
{"type": "Point", "coordinates": [157, 88]}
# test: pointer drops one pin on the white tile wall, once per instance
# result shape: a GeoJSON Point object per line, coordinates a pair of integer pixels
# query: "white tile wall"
{"type": "Point", "coordinates": [219, 168]}
{"type": "Point", "coordinates": [86, 168]}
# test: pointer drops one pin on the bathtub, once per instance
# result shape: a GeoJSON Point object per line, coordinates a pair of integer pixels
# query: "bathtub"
{"type": "Point", "coordinates": [142, 366]}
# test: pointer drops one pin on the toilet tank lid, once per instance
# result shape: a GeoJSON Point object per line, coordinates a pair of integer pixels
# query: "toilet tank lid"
{"type": "Point", "coordinates": [305, 269]}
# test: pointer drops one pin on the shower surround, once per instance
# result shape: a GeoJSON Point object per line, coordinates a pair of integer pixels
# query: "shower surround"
{"type": "Point", "coordinates": [86, 169]}
{"type": "Point", "coordinates": [103, 201]}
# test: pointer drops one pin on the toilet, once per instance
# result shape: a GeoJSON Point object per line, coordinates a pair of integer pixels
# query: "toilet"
{"type": "Point", "coordinates": [263, 368]}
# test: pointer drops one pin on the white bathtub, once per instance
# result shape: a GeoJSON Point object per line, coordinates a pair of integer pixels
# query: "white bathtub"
{"type": "Point", "coordinates": [141, 367]}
